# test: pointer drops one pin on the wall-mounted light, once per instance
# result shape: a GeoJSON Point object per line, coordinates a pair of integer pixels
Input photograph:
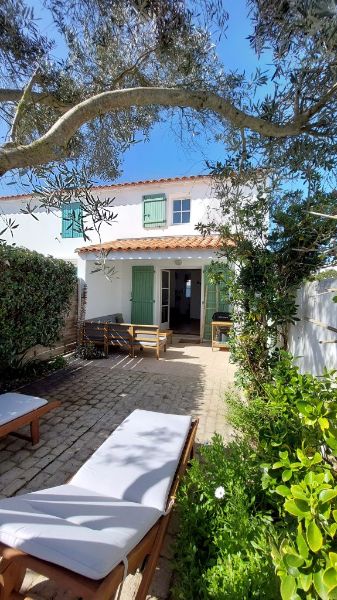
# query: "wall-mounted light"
{"type": "Point", "coordinates": [178, 261]}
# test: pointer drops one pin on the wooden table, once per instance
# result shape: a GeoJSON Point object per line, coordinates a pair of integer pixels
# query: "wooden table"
{"type": "Point", "coordinates": [217, 343]}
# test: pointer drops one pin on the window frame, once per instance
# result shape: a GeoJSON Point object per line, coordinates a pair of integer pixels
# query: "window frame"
{"type": "Point", "coordinates": [180, 199]}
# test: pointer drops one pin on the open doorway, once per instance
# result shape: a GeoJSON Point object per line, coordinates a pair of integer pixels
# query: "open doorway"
{"type": "Point", "coordinates": [185, 301]}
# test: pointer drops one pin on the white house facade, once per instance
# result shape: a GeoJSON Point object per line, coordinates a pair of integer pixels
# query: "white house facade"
{"type": "Point", "coordinates": [157, 256]}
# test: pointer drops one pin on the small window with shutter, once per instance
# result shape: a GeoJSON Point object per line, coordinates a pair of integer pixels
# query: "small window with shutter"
{"type": "Point", "coordinates": [72, 225]}
{"type": "Point", "coordinates": [154, 211]}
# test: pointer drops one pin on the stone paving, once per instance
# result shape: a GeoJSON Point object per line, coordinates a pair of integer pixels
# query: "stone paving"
{"type": "Point", "coordinates": [96, 396]}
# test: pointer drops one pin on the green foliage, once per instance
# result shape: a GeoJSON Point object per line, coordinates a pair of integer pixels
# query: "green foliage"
{"type": "Point", "coordinates": [290, 406]}
{"type": "Point", "coordinates": [277, 244]}
{"type": "Point", "coordinates": [224, 543]}
{"type": "Point", "coordinates": [35, 295]}
{"type": "Point", "coordinates": [293, 426]}
{"type": "Point", "coordinates": [20, 373]}
{"type": "Point", "coordinates": [89, 351]}
{"type": "Point", "coordinates": [322, 275]}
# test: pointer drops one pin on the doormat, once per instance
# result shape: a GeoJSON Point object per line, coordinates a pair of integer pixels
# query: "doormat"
{"type": "Point", "coordinates": [189, 341]}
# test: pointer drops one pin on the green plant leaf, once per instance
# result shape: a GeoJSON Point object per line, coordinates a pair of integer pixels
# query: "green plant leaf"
{"type": "Point", "coordinates": [305, 581]}
{"type": "Point", "coordinates": [333, 558]}
{"type": "Point", "coordinates": [301, 543]}
{"type": "Point", "coordinates": [293, 509]}
{"type": "Point", "coordinates": [324, 423]}
{"type": "Point", "coordinates": [287, 474]}
{"type": "Point", "coordinates": [304, 407]}
{"type": "Point", "coordinates": [320, 586]}
{"type": "Point", "coordinates": [293, 560]}
{"type": "Point", "coordinates": [288, 587]}
{"type": "Point", "coordinates": [331, 442]}
{"type": "Point", "coordinates": [314, 537]}
{"type": "Point", "coordinates": [327, 495]}
{"type": "Point", "coordinates": [330, 578]}
{"type": "Point", "coordinates": [283, 490]}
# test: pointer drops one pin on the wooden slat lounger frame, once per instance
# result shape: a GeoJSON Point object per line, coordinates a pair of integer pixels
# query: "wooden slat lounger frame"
{"type": "Point", "coordinates": [30, 418]}
{"type": "Point", "coordinates": [124, 335]}
{"type": "Point", "coordinates": [13, 562]}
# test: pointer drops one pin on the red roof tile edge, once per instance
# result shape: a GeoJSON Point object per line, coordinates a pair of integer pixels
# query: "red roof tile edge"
{"type": "Point", "coordinates": [156, 243]}
{"type": "Point", "coordinates": [125, 184]}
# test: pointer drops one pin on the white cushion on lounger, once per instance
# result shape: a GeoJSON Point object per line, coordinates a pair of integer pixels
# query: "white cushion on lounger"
{"type": "Point", "coordinates": [14, 405]}
{"type": "Point", "coordinates": [75, 528]}
{"type": "Point", "coordinates": [138, 461]}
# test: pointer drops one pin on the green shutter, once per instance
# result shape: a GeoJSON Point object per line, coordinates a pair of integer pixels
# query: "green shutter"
{"type": "Point", "coordinates": [72, 226]}
{"type": "Point", "coordinates": [142, 295]}
{"type": "Point", "coordinates": [216, 300]}
{"type": "Point", "coordinates": [154, 210]}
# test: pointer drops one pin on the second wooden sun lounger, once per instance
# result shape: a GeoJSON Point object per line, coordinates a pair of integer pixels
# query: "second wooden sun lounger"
{"type": "Point", "coordinates": [17, 410]}
{"type": "Point", "coordinates": [109, 520]}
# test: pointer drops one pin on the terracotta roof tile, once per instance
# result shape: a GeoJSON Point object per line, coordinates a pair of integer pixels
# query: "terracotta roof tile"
{"type": "Point", "coordinates": [126, 184]}
{"type": "Point", "coordinates": [156, 243]}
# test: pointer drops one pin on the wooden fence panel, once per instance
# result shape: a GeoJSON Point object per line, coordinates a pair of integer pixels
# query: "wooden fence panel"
{"type": "Point", "coordinates": [314, 337]}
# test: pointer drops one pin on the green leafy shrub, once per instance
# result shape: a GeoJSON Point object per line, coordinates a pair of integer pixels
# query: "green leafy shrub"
{"type": "Point", "coordinates": [290, 408]}
{"type": "Point", "coordinates": [294, 429]}
{"type": "Point", "coordinates": [223, 548]}
{"type": "Point", "coordinates": [19, 373]}
{"type": "Point", "coordinates": [35, 294]}
{"type": "Point", "coordinates": [89, 351]}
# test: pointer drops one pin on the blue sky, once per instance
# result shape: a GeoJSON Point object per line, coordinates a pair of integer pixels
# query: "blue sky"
{"type": "Point", "coordinates": [164, 155]}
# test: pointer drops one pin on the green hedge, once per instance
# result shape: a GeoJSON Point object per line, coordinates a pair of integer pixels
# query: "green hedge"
{"type": "Point", "coordinates": [35, 294]}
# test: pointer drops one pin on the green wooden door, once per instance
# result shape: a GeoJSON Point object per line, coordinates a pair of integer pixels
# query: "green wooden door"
{"type": "Point", "coordinates": [142, 295]}
{"type": "Point", "coordinates": [215, 300]}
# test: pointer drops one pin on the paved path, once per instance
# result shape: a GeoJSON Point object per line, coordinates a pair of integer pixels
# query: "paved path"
{"type": "Point", "coordinates": [96, 396]}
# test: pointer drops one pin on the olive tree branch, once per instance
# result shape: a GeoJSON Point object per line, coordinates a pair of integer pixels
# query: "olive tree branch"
{"type": "Point", "coordinates": [53, 144]}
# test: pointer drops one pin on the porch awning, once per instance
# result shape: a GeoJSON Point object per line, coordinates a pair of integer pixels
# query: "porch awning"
{"type": "Point", "coordinates": [183, 242]}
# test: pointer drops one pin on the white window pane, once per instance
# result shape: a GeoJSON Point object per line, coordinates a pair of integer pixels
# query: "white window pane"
{"type": "Point", "coordinates": [185, 217]}
{"type": "Point", "coordinates": [185, 205]}
{"type": "Point", "coordinates": [176, 205]}
{"type": "Point", "coordinates": [177, 217]}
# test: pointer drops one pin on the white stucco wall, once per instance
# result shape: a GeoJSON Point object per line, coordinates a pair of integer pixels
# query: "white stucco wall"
{"type": "Point", "coordinates": [44, 235]}
{"type": "Point", "coordinates": [114, 295]}
{"type": "Point", "coordinates": [307, 340]}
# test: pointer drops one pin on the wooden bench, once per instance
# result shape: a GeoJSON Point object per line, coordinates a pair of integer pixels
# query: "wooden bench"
{"type": "Point", "coordinates": [149, 336]}
{"type": "Point", "coordinates": [127, 336]}
{"type": "Point", "coordinates": [168, 334]}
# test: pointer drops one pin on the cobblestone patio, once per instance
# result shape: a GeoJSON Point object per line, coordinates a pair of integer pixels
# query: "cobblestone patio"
{"type": "Point", "coordinates": [96, 396]}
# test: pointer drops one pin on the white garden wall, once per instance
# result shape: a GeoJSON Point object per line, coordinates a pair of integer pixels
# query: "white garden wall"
{"type": "Point", "coordinates": [310, 339]}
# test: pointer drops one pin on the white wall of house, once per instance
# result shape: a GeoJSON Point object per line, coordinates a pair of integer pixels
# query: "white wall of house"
{"type": "Point", "coordinates": [44, 234]}
{"type": "Point", "coordinates": [107, 296]}
{"type": "Point", "coordinates": [309, 340]}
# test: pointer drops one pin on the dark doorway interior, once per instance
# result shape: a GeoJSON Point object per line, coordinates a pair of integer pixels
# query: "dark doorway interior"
{"type": "Point", "coordinates": [185, 301]}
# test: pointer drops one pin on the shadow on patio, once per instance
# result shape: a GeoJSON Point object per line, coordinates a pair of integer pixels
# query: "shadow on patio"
{"type": "Point", "coordinates": [95, 397]}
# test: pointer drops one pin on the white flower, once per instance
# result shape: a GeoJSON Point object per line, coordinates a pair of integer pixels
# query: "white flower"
{"type": "Point", "coordinates": [219, 492]}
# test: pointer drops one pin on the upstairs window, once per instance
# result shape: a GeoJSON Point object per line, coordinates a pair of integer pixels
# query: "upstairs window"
{"type": "Point", "coordinates": [72, 224]}
{"type": "Point", "coordinates": [181, 211]}
{"type": "Point", "coordinates": [154, 211]}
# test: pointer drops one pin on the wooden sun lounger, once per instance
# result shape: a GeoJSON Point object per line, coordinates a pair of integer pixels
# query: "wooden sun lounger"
{"type": "Point", "coordinates": [144, 555]}
{"type": "Point", "coordinates": [35, 408]}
